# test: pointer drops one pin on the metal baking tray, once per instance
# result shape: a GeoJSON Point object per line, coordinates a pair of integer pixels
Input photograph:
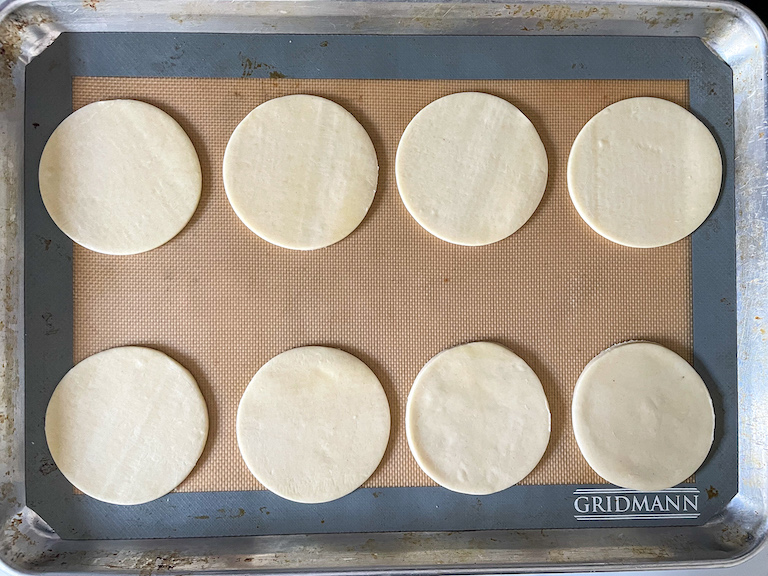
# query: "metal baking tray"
{"type": "Point", "coordinates": [730, 32]}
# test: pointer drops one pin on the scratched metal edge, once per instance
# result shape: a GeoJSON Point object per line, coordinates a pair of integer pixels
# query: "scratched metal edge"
{"type": "Point", "coordinates": [728, 539]}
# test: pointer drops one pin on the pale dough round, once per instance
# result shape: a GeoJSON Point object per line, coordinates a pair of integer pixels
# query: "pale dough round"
{"type": "Point", "coordinates": [120, 177]}
{"type": "Point", "coordinates": [471, 168]}
{"type": "Point", "coordinates": [127, 425]}
{"type": "Point", "coordinates": [644, 172]}
{"type": "Point", "coordinates": [642, 416]}
{"type": "Point", "coordinates": [300, 172]}
{"type": "Point", "coordinates": [313, 424]}
{"type": "Point", "coordinates": [477, 419]}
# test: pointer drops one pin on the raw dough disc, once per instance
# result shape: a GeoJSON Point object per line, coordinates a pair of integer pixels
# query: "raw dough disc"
{"type": "Point", "coordinates": [313, 424]}
{"type": "Point", "coordinates": [120, 177]}
{"type": "Point", "coordinates": [300, 172]}
{"type": "Point", "coordinates": [126, 425]}
{"type": "Point", "coordinates": [477, 419]}
{"type": "Point", "coordinates": [471, 168]}
{"type": "Point", "coordinates": [644, 172]}
{"type": "Point", "coordinates": [642, 416]}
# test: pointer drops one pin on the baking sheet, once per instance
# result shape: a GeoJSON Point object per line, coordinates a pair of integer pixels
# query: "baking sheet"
{"type": "Point", "coordinates": [404, 295]}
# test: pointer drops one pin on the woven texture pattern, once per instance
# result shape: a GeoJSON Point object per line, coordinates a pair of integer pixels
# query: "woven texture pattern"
{"type": "Point", "coordinates": [222, 301]}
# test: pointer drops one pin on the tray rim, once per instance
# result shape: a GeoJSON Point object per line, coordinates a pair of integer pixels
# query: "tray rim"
{"type": "Point", "coordinates": [730, 30]}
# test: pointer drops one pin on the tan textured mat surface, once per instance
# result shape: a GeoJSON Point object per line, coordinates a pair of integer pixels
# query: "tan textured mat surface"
{"type": "Point", "coordinates": [223, 302]}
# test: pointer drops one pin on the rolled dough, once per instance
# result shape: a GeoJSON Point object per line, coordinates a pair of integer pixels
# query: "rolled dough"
{"type": "Point", "coordinates": [471, 168]}
{"type": "Point", "coordinates": [300, 172]}
{"type": "Point", "coordinates": [642, 416]}
{"type": "Point", "coordinates": [313, 424]}
{"type": "Point", "coordinates": [477, 419]}
{"type": "Point", "coordinates": [126, 425]}
{"type": "Point", "coordinates": [644, 172]}
{"type": "Point", "coordinates": [120, 177]}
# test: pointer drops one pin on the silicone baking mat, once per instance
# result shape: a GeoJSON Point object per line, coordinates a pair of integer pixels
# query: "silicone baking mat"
{"type": "Point", "coordinates": [222, 301]}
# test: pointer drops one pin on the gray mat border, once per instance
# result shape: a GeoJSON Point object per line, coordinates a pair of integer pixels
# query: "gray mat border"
{"type": "Point", "coordinates": [48, 267]}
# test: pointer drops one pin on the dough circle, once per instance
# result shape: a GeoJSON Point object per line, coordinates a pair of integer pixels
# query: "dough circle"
{"type": "Point", "coordinates": [300, 172]}
{"type": "Point", "coordinates": [120, 177]}
{"type": "Point", "coordinates": [127, 425]}
{"type": "Point", "coordinates": [471, 168]}
{"type": "Point", "coordinates": [313, 424]}
{"type": "Point", "coordinates": [477, 419]}
{"type": "Point", "coordinates": [644, 172]}
{"type": "Point", "coordinates": [642, 416]}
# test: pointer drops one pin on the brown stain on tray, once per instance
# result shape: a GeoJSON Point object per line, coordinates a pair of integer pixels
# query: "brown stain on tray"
{"type": "Point", "coordinates": [223, 302]}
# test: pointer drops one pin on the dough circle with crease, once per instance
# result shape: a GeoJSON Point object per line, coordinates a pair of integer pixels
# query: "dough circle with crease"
{"type": "Point", "coordinates": [477, 418]}
{"type": "Point", "coordinates": [644, 172]}
{"type": "Point", "coordinates": [471, 168]}
{"type": "Point", "coordinates": [642, 416]}
{"type": "Point", "coordinates": [127, 425]}
{"type": "Point", "coordinates": [313, 424]}
{"type": "Point", "coordinates": [300, 172]}
{"type": "Point", "coordinates": [120, 177]}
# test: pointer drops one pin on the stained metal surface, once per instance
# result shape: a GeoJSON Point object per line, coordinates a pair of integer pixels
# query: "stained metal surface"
{"type": "Point", "coordinates": [26, 543]}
